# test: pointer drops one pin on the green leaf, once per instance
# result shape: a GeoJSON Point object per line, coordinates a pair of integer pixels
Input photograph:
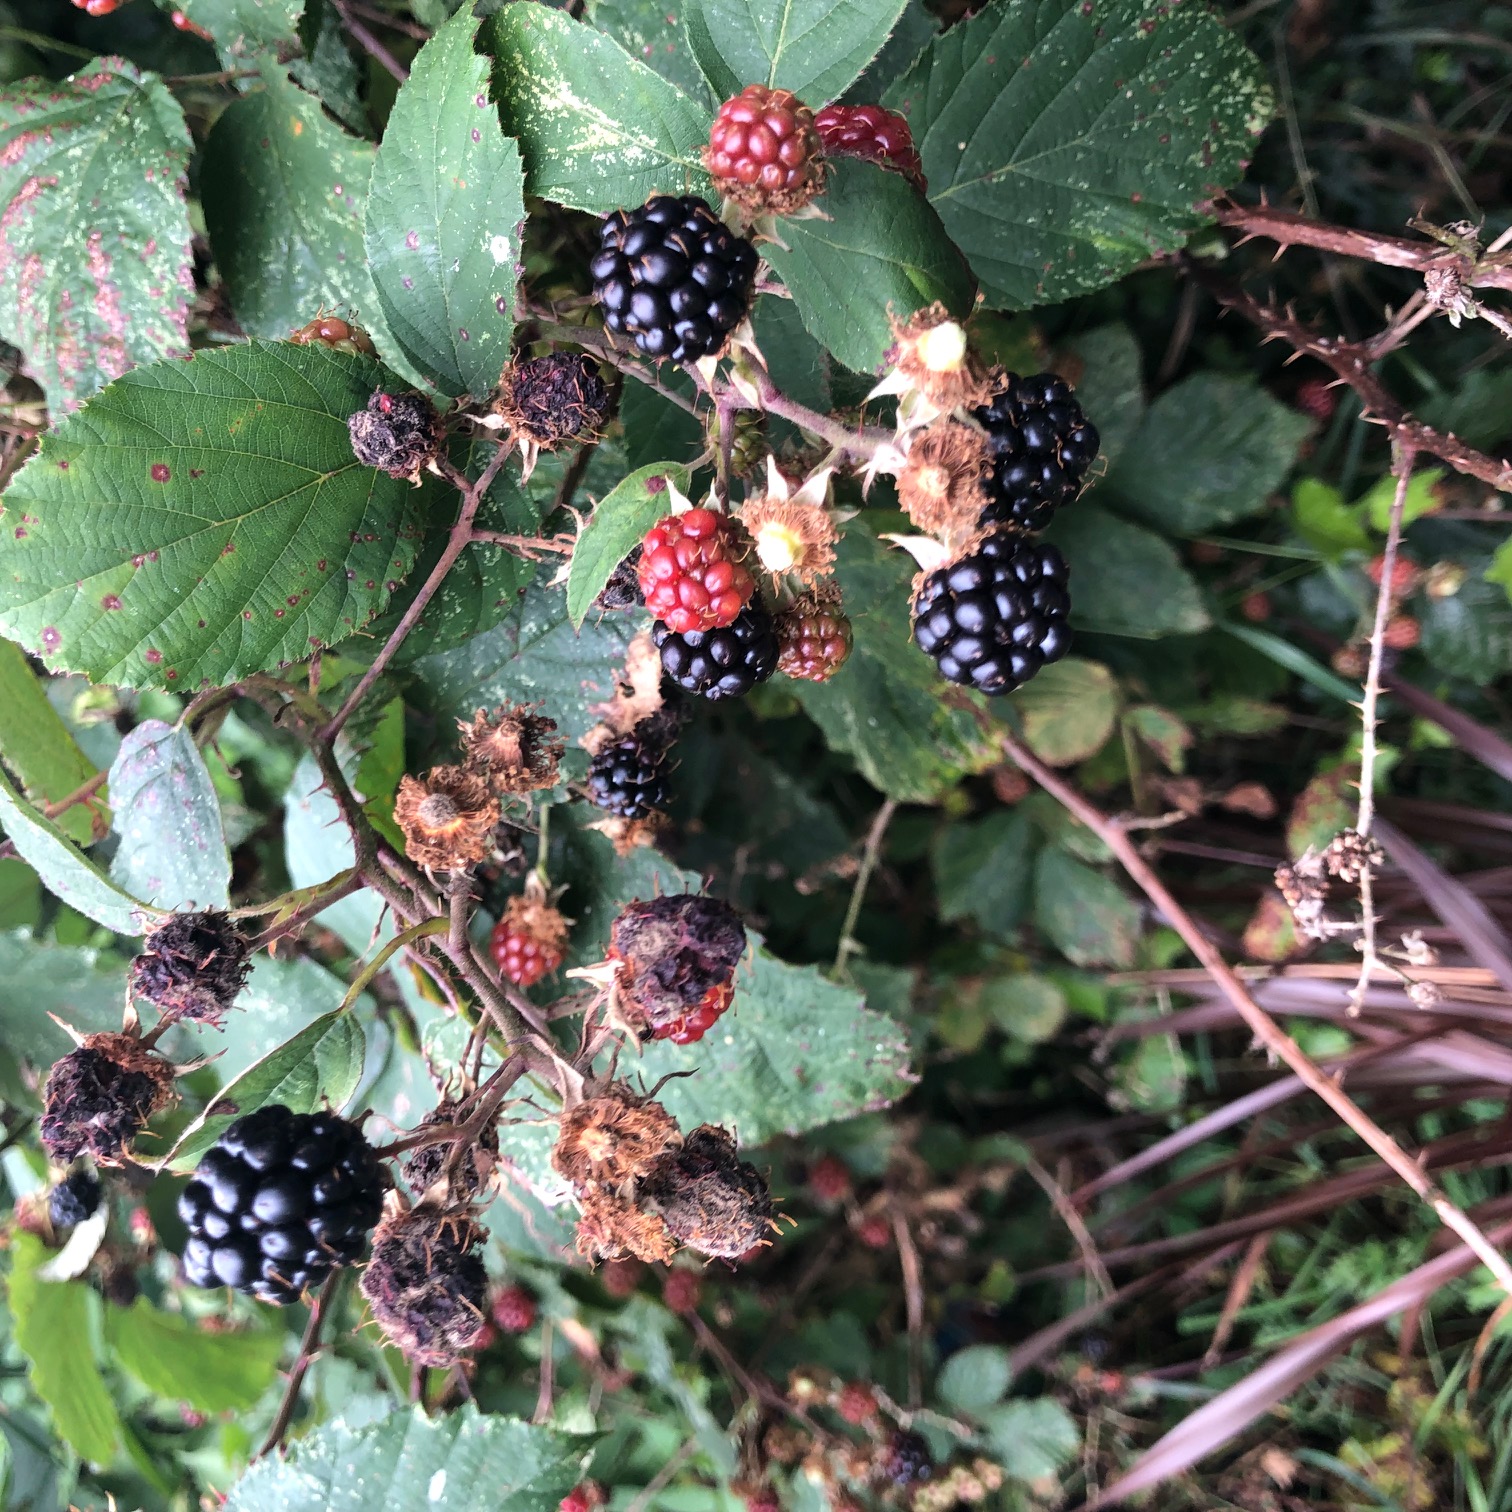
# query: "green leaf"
{"type": "Point", "coordinates": [1083, 913]}
{"type": "Point", "coordinates": [1295, 660]}
{"type": "Point", "coordinates": [982, 869]}
{"type": "Point", "coordinates": [1323, 519]}
{"type": "Point", "coordinates": [40, 749]}
{"type": "Point", "coordinates": [95, 270]}
{"type": "Point", "coordinates": [319, 1066]}
{"type": "Point", "coordinates": [884, 707]}
{"type": "Point", "coordinates": [174, 1357]}
{"type": "Point", "coordinates": [647, 30]}
{"type": "Point", "coordinates": [461, 1461]}
{"type": "Point", "coordinates": [1208, 452]}
{"type": "Point", "coordinates": [619, 521]}
{"type": "Point", "coordinates": [1068, 710]}
{"type": "Point", "coordinates": [597, 128]}
{"type": "Point", "coordinates": [243, 28]}
{"type": "Point", "coordinates": [1110, 388]}
{"type": "Point", "coordinates": [974, 1378]}
{"type": "Point", "coordinates": [1468, 635]}
{"type": "Point", "coordinates": [1163, 732]}
{"type": "Point", "coordinates": [794, 1051]}
{"type": "Point", "coordinates": [65, 870]}
{"type": "Point", "coordinates": [1032, 1439]}
{"type": "Point", "coordinates": [1065, 141]}
{"type": "Point", "coordinates": [52, 1328]}
{"type": "Point", "coordinates": [1125, 580]}
{"type": "Point", "coordinates": [815, 48]}
{"type": "Point", "coordinates": [1153, 1078]}
{"type": "Point", "coordinates": [1422, 498]}
{"type": "Point", "coordinates": [654, 426]}
{"type": "Point", "coordinates": [284, 190]}
{"type": "Point", "coordinates": [1026, 1008]}
{"type": "Point", "coordinates": [446, 217]}
{"type": "Point", "coordinates": [534, 655]}
{"type": "Point", "coordinates": [37, 980]}
{"type": "Point", "coordinates": [328, 68]}
{"type": "Point", "coordinates": [173, 849]}
{"type": "Point", "coordinates": [199, 521]}
{"type": "Point", "coordinates": [874, 246]}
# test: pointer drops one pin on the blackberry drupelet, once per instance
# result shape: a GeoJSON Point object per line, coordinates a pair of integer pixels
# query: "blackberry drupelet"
{"type": "Point", "coordinates": [992, 618]}
{"type": "Point", "coordinates": [1041, 444]}
{"type": "Point", "coordinates": [279, 1202]}
{"type": "Point", "coordinates": [724, 663]}
{"type": "Point", "coordinates": [674, 277]}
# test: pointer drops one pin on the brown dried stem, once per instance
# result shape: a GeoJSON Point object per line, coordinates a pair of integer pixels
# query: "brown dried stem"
{"type": "Point", "coordinates": [1270, 1035]}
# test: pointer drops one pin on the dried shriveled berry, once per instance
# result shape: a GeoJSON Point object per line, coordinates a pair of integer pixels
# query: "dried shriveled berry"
{"type": "Point", "coordinates": [613, 1138]}
{"type": "Point", "coordinates": [710, 1199]}
{"type": "Point", "coordinates": [529, 942]}
{"type": "Point", "coordinates": [870, 132]}
{"type": "Point", "coordinates": [613, 1227]}
{"type": "Point", "coordinates": [623, 590]}
{"type": "Point", "coordinates": [515, 749]}
{"type": "Point", "coordinates": [396, 433]}
{"type": "Point", "coordinates": [672, 951]}
{"type": "Point", "coordinates": [692, 571]}
{"type": "Point", "coordinates": [554, 399]}
{"type": "Point", "coordinates": [330, 330]}
{"type": "Point", "coordinates": [764, 151]}
{"type": "Point", "coordinates": [943, 485]}
{"type": "Point", "coordinates": [74, 1199]}
{"type": "Point", "coordinates": [193, 967]}
{"type": "Point", "coordinates": [99, 1097]}
{"type": "Point", "coordinates": [448, 818]}
{"type": "Point", "coordinates": [426, 1284]}
{"type": "Point", "coordinates": [425, 1165]}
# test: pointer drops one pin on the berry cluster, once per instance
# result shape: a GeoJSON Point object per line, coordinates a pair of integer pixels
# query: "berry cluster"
{"type": "Point", "coordinates": [1041, 446]}
{"type": "Point", "coordinates": [278, 1202]}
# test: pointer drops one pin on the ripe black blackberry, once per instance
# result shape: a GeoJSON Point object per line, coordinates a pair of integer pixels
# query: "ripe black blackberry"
{"type": "Point", "coordinates": [627, 779]}
{"type": "Point", "coordinates": [1041, 444]}
{"type": "Point", "coordinates": [905, 1459]}
{"type": "Point", "coordinates": [74, 1199]}
{"type": "Point", "coordinates": [992, 618]}
{"type": "Point", "coordinates": [723, 663]}
{"type": "Point", "coordinates": [279, 1202]}
{"type": "Point", "coordinates": [673, 276]}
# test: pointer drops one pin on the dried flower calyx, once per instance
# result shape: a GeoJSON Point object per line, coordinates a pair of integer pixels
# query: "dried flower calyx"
{"type": "Point", "coordinates": [934, 368]}
{"type": "Point", "coordinates": [448, 818]}
{"type": "Point", "coordinates": [613, 1138]}
{"type": "Point", "coordinates": [791, 528]}
{"type": "Point", "coordinates": [99, 1097]}
{"type": "Point", "coordinates": [426, 1284]}
{"type": "Point", "coordinates": [943, 484]}
{"type": "Point", "coordinates": [193, 967]}
{"type": "Point", "coordinates": [515, 749]}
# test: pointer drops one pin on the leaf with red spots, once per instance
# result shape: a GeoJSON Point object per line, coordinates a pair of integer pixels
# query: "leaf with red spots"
{"type": "Point", "coordinates": [446, 217]}
{"type": "Point", "coordinates": [199, 521]}
{"type": "Point", "coordinates": [1066, 140]}
{"type": "Point", "coordinates": [95, 274]}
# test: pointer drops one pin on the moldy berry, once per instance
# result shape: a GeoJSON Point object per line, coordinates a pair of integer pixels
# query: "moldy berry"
{"type": "Point", "coordinates": [426, 1284]}
{"type": "Point", "coordinates": [99, 1097]}
{"type": "Point", "coordinates": [710, 1199]}
{"type": "Point", "coordinates": [396, 433]}
{"type": "Point", "coordinates": [193, 967]}
{"type": "Point", "coordinates": [672, 953]}
{"type": "Point", "coordinates": [425, 1165]}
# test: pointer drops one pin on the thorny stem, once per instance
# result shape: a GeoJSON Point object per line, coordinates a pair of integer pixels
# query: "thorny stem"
{"type": "Point", "coordinates": [369, 43]}
{"type": "Point", "coordinates": [1274, 1039]}
{"type": "Point", "coordinates": [869, 854]}
{"type": "Point", "coordinates": [1368, 724]}
{"type": "Point", "coordinates": [307, 1349]}
{"type": "Point", "coordinates": [473, 493]}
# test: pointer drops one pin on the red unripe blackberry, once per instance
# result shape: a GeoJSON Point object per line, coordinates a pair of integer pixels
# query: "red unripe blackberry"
{"type": "Point", "coordinates": [1041, 445]}
{"type": "Point", "coordinates": [993, 617]}
{"type": "Point", "coordinates": [621, 1278]}
{"type": "Point", "coordinates": [813, 640]}
{"type": "Point", "coordinates": [697, 1022]}
{"type": "Point", "coordinates": [514, 1310]}
{"type": "Point", "coordinates": [582, 1498]}
{"type": "Point", "coordinates": [764, 150]}
{"type": "Point", "coordinates": [723, 663]}
{"type": "Point", "coordinates": [1405, 573]}
{"type": "Point", "coordinates": [691, 573]}
{"type": "Point", "coordinates": [829, 1178]}
{"type": "Point", "coordinates": [674, 277]}
{"type": "Point", "coordinates": [681, 1291]}
{"type": "Point", "coordinates": [1256, 607]}
{"type": "Point", "coordinates": [1316, 397]}
{"type": "Point", "coordinates": [520, 958]}
{"type": "Point", "coordinates": [98, 7]}
{"type": "Point", "coordinates": [856, 1403]}
{"type": "Point", "coordinates": [875, 1232]}
{"type": "Point", "coordinates": [1402, 633]}
{"type": "Point", "coordinates": [868, 131]}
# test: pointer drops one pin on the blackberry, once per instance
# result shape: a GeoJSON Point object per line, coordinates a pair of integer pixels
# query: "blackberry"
{"type": "Point", "coordinates": [1041, 445]}
{"type": "Point", "coordinates": [905, 1459]}
{"type": "Point", "coordinates": [193, 967]}
{"type": "Point", "coordinates": [74, 1199]}
{"type": "Point", "coordinates": [674, 277]}
{"type": "Point", "coordinates": [992, 618]}
{"type": "Point", "coordinates": [724, 663]}
{"type": "Point", "coordinates": [711, 1199]}
{"type": "Point", "coordinates": [279, 1202]}
{"type": "Point", "coordinates": [628, 778]}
